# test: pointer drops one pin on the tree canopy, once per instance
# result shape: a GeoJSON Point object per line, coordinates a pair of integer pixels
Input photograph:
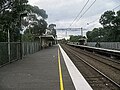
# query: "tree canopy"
{"type": "Point", "coordinates": [110, 32]}
{"type": "Point", "coordinates": [14, 19]}
{"type": "Point", "coordinates": [10, 11]}
{"type": "Point", "coordinates": [53, 30]}
{"type": "Point", "coordinates": [35, 22]}
{"type": "Point", "coordinates": [75, 38]}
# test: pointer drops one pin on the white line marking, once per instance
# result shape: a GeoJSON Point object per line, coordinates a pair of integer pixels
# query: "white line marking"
{"type": "Point", "coordinates": [78, 80]}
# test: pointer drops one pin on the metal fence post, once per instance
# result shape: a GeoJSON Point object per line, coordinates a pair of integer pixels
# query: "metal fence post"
{"type": "Point", "coordinates": [9, 45]}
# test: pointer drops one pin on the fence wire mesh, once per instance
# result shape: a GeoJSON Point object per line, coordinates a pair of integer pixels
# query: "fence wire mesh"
{"type": "Point", "coordinates": [15, 48]}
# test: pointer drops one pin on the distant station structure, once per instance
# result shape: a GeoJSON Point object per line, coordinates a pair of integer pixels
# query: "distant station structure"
{"type": "Point", "coordinates": [47, 39]}
{"type": "Point", "coordinates": [75, 29]}
{"type": "Point", "coordinates": [71, 29]}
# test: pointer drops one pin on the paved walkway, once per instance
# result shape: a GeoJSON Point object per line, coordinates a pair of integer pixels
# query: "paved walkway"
{"type": "Point", "coordinates": [39, 71]}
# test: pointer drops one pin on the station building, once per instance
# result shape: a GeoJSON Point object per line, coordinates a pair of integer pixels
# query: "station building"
{"type": "Point", "coordinates": [46, 39]}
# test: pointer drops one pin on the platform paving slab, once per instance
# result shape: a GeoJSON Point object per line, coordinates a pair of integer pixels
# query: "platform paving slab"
{"type": "Point", "coordinates": [38, 71]}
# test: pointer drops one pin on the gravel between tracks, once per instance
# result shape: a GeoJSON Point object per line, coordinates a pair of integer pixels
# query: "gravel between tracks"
{"type": "Point", "coordinates": [93, 77]}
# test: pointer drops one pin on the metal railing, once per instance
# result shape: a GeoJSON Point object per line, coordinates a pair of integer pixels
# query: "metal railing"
{"type": "Point", "coordinates": [15, 51]}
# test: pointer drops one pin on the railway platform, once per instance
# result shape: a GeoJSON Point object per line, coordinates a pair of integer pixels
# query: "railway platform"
{"type": "Point", "coordinates": [48, 69]}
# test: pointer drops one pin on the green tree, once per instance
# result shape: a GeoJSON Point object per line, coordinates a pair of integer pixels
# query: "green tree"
{"type": "Point", "coordinates": [111, 23]}
{"type": "Point", "coordinates": [107, 18]}
{"type": "Point", "coordinates": [53, 30]}
{"type": "Point", "coordinates": [28, 37]}
{"type": "Point", "coordinates": [10, 11]}
{"type": "Point", "coordinates": [35, 10]}
{"type": "Point", "coordinates": [37, 25]}
{"type": "Point", "coordinates": [96, 35]}
{"type": "Point", "coordinates": [111, 28]}
{"type": "Point", "coordinates": [116, 27]}
{"type": "Point", "coordinates": [75, 38]}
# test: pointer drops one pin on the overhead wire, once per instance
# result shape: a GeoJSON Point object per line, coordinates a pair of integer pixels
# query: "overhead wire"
{"type": "Point", "coordinates": [98, 18]}
{"type": "Point", "coordinates": [86, 10]}
{"type": "Point", "coordinates": [116, 7]}
{"type": "Point", "coordinates": [83, 13]}
{"type": "Point", "coordinates": [79, 13]}
{"type": "Point", "coordinates": [93, 21]}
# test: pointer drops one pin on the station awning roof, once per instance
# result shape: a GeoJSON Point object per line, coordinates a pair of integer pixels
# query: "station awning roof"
{"type": "Point", "coordinates": [49, 37]}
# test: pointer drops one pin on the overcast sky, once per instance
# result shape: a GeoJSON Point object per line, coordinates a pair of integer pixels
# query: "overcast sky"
{"type": "Point", "coordinates": [63, 12]}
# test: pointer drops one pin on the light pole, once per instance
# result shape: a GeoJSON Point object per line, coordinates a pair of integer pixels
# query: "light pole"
{"type": "Point", "coordinates": [9, 45]}
{"type": "Point", "coordinates": [21, 15]}
{"type": "Point", "coordinates": [9, 50]}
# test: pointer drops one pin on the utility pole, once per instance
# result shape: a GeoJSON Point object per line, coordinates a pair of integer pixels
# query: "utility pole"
{"type": "Point", "coordinates": [81, 31]}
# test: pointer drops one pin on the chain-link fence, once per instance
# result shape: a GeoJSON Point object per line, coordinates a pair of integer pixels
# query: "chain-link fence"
{"type": "Point", "coordinates": [3, 53]}
{"type": "Point", "coordinates": [15, 51]}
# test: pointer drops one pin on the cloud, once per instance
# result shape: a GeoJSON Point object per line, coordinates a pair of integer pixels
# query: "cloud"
{"type": "Point", "coordinates": [62, 12]}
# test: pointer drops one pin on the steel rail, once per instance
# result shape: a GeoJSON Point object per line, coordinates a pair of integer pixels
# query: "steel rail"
{"type": "Point", "coordinates": [100, 60]}
{"type": "Point", "coordinates": [77, 55]}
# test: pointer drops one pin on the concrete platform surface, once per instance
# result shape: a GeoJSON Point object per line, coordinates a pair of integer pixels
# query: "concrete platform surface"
{"type": "Point", "coordinates": [38, 71]}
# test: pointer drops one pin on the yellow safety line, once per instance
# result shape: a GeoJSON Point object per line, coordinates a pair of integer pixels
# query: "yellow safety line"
{"type": "Point", "coordinates": [60, 72]}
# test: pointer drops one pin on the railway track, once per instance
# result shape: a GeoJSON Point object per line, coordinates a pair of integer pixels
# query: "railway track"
{"type": "Point", "coordinates": [91, 69]}
{"type": "Point", "coordinates": [104, 60]}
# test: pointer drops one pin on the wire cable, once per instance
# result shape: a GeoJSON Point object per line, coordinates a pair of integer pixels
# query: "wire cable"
{"type": "Point", "coordinates": [116, 7]}
{"type": "Point", "coordinates": [79, 13]}
{"type": "Point", "coordinates": [86, 11]}
{"type": "Point", "coordinates": [99, 18]}
{"type": "Point", "coordinates": [93, 21]}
